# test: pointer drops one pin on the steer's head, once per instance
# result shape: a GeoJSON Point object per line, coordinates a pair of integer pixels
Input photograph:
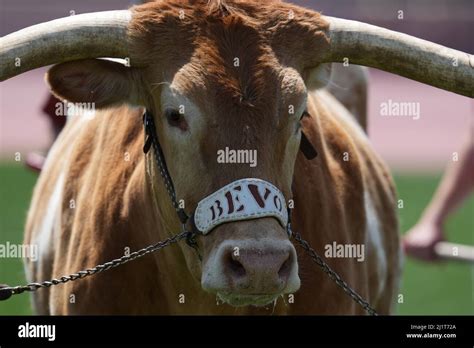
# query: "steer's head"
{"type": "Point", "coordinates": [222, 79]}
{"type": "Point", "coordinates": [227, 90]}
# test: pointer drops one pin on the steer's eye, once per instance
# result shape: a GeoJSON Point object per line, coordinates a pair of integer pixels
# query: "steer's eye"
{"type": "Point", "coordinates": [174, 117]}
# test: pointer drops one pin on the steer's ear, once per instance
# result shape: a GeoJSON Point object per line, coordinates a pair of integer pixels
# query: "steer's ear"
{"type": "Point", "coordinates": [318, 77]}
{"type": "Point", "coordinates": [102, 82]}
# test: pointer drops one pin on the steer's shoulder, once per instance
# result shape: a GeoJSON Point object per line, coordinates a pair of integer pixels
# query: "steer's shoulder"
{"type": "Point", "coordinates": [68, 201]}
{"type": "Point", "coordinates": [346, 194]}
{"type": "Point", "coordinates": [102, 162]}
{"type": "Point", "coordinates": [89, 168]}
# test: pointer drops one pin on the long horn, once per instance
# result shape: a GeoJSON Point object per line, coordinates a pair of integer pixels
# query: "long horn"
{"type": "Point", "coordinates": [401, 54]}
{"type": "Point", "coordinates": [89, 35]}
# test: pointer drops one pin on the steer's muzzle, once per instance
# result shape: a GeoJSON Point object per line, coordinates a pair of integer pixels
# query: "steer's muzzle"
{"type": "Point", "coordinates": [251, 271]}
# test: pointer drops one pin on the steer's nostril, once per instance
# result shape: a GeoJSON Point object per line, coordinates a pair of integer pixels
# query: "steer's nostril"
{"type": "Point", "coordinates": [285, 268]}
{"type": "Point", "coordinates": [260, 267]}
{"type": "Point", "coordinates": [237, 269]}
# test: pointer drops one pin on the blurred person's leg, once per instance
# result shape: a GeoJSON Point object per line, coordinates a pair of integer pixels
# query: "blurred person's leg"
{"type": "Point", "coordinates": [455, 186]}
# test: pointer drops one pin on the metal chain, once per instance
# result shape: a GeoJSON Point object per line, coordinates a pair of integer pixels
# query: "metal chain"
{"type": "Point", "coordinates": [333, 275]}
{"type": "Point", "coordinates": [151, 132]}
{"type": "Point", "coordinates": [6, 292]}
{"type": "Point", "coordinates": [97, 269]}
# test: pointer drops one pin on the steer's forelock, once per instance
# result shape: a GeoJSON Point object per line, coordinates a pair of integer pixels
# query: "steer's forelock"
{"type": "Point", "coordinates": [208, 46]}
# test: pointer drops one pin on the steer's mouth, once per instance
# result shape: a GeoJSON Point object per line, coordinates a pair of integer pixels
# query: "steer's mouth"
{"type": "Point", "coordinates": [239, 300]}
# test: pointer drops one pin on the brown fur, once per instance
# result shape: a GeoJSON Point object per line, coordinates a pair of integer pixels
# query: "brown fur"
{"type": "Point", "coordinates": [123, 204]}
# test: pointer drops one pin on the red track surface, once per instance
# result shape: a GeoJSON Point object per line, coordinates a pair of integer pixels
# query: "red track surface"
{"type": "Point", "coordinates": [406, 144]}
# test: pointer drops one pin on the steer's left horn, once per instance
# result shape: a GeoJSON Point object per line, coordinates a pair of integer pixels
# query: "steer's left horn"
{"type": "Point", "coordinates": [401, 54]}
{"type": "Point", "coordinates": [89, 35]}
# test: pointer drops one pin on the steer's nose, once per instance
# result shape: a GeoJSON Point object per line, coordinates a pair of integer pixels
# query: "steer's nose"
{"type": "Point", "coordinates": [252, 267]}
{"type": "Point", "coordinates": [258, 270]}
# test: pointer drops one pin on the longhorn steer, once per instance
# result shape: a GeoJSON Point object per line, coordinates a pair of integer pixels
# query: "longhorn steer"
{"type": "Point", "coordinates": [215, 74]}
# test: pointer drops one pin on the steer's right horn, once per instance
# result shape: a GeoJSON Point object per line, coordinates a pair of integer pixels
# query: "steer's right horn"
{"type": "Point", "coordinates": [89, 35]}
{"type": "Point", "coordinates": [401, 54]}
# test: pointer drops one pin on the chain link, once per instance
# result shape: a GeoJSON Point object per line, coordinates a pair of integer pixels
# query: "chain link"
{"type": "Point", "coordinates": [333, 275]}
{"type": "Point", "coordinates": [176, 238]}
{"type": "Point", "coordinates": [99, 268]}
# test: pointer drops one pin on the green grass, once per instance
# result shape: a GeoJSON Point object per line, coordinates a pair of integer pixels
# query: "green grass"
{"type": "Point", "coordinates": [16, 186]}
{"type": "Point", "coordinates": [435, 288]}
{"type": "Point", "coordinates": [445, 288]}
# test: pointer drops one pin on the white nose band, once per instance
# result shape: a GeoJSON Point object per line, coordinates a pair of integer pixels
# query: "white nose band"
{"type": "Point", "coordinates": [243, 199]}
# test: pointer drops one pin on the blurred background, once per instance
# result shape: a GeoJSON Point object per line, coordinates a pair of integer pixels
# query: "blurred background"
{"type": "Point", "coordinates": [416, 150]}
